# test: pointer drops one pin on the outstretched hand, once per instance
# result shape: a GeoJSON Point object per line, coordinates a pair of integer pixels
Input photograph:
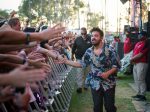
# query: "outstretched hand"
{"type": "Point", "coordinates": [7, 93]}
{"type": "Point", "coordinates": [22, 100]}
{"type": "Point", "coordinates": [38, 63]}
{"type": "Point", "coordinates": [52, 32]}
{"type": "Point", "coordinates": [60, 60]}
{"type": "Point", "coordinates": [20, 76]}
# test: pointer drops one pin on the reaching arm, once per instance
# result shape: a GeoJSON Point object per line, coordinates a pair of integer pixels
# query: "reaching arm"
{"type": "Point", "coordinates": [9, 36]}
{"type": "Point", "coordinates": [8, 48]}
{"type": "Point", "coordinates": [72, 63]}
{"type": "Point", "coordinates": [54, 39]}
{"type": "Point", "coordinates": [47, 46]}
{"type": "Point", "coordinates": [20, 76]}
{"type": "Point", "coordinates": [11, 58]}
{"type": "Point", "coordinates": [47, 52]}
{"type": "Point", "coordinates": [18, 60]}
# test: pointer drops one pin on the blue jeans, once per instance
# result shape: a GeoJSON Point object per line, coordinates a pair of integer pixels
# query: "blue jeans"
{"type": "Point", "coordinates": [107, 96]}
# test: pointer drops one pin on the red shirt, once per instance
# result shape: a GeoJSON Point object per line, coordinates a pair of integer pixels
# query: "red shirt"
{"type": "Point", "coordinates": [127, 45]}
{"type": "Point", "coordinates": [139, 49]}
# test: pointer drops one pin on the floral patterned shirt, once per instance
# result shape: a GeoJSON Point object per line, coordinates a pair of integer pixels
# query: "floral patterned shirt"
{"type": "Point", "coordinates": [99, 64]}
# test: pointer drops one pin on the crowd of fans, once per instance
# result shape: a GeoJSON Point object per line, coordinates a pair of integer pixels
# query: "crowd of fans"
{"type": "Point", "coordinates": [24, 54]}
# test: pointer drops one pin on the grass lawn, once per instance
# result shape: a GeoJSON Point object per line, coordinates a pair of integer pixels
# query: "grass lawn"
{"type": "Point", "coordinates": [83, 102]}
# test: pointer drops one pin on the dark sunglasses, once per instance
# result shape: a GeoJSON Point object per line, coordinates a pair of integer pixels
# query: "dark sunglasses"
{"type": "Point", "coordinates": [83, 33]}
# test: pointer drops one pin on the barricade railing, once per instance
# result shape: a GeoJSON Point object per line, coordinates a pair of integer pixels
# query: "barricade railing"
{"type": "Point", "coordinates": [54, 93]}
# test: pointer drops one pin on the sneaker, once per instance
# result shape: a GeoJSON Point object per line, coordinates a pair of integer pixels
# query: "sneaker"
{"type": "Point", "coordinates": [142, 98]}
{"type": "Point", "coordinates": [79, 90]}
{"type": "Point", "coordinates": [136, 96]}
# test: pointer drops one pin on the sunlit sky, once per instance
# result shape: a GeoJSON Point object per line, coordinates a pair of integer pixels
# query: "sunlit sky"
{"type": "Point", "coordinates": [96, 6]}
{"type": "Point", "coordinates": [10, 4]}
{"type": "Point", "coordinates": [114, 10]}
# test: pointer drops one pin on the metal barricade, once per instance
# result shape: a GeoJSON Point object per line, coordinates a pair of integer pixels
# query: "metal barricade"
{"type": "Point", "coordinates": [55, 91]}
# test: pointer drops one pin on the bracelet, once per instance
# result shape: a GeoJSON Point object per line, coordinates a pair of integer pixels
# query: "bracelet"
{"type": "Point", "coordinates": [27, 38]}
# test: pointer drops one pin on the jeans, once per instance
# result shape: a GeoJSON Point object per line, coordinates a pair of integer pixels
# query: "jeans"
{"type": "Point", "coordinates": [107, 96]}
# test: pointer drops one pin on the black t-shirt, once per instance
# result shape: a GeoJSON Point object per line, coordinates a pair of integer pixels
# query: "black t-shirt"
{"type": "Point", "coordinates": [80, 46]}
